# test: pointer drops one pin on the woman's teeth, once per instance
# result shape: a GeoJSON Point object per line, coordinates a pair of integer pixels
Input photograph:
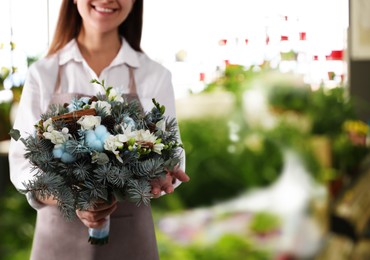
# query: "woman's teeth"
{"type": "Point", "coordinates": [103, 10]}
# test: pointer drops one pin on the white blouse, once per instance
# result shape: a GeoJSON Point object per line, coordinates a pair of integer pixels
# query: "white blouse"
{"type": "Point", "coordinates": [152, 81]}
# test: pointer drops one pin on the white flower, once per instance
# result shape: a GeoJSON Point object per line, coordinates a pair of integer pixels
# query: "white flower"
{"type": "Point", "coordinates": [114, 96]}
{"type": "Point", "coordinates": [157, 148]}
{"type": "Point", "coordinates": [89, 122]}
{"type": "Point", "coordinates": [145, 136]}
{"type": "Point", "coordinates": [128, 133]}
{"type": "Point", "coordinates": [161, 125]}
{"type": "Point", "coordinates": [112, 144]}
{"type": "Point", "coordinates": [103, 105]}
{"type": "Point", "coordinates": [48, 125]}
{"type": "Point", "coordinates": [57, 137]}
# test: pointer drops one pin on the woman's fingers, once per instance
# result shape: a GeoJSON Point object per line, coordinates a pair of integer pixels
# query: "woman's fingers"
{"type": "Point", "coordinates": [162, 184]}
{"type": "Point", "coordinates": [180, 174]}
{"type": "Point", "coordinates": [96, 217]}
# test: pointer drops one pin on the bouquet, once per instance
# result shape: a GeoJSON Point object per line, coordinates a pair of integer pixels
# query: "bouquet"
{"type": "Point", "coordinates": [98, 147]}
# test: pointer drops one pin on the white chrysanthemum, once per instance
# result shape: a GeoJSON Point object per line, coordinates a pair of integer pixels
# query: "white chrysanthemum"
{"type": "Point", "coordinates": [103, 105]}
{"type": "Point", "coordinates": [57, 137]}
{"type": "Point", "coordinates": [89, 122]}
{"type": "Point", "coordinates": [145, 136]}
{"type": "Point", "coordinates": [114, 96]}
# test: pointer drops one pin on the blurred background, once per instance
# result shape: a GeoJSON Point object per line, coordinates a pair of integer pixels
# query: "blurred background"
{"type": "Point", "coordinates": [273, 105]}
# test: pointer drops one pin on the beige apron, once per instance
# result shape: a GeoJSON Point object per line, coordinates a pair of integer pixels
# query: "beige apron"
{"type": "Point", "coordinates": [132, 234]}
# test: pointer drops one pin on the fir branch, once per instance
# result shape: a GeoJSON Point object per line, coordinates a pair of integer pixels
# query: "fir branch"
{"type": "Point", "coordinates": [101, 173]}
{"type": "Point", "coordinates": [96, 189]}
{"type": "Point", "coordinates": [118, 176]}
{"type": "Point", "coordinates": [139, 191]}
{"type": "Point", "coordinates": [84, 201]}
{"type": "Point", "coordinates": [54, 110]}
{"type": "Point", "coordinates": [77, 148]}
{"type": "Point", "coordinates": [66, 202]}
{"type": "Point", "coordinates": [150, 169]}
{"type": "Point", "coordinates": [81, 170]}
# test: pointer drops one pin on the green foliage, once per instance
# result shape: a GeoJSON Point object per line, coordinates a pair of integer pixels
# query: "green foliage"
{"type": "Point", "coordinates": [5, 124]}
{"type": "Point", "coordinates": [287, 97]}
{"type": "Point", "coordinates": [347, 158]}
{"type": "Point", "coordinates": [264, 222]}
{"type": "Point", "coordinates": [235, 79]}
{"type": "Point", "coordinates": [216, 173]}
{"type": "Point", "coordinates": [4, 73]}
{"type": "Point", "coordinates": [16, 225]}
{"type": "Point", "coordinates": [228, 247]}
{"type": "Point", "coordinates": [329, 109]}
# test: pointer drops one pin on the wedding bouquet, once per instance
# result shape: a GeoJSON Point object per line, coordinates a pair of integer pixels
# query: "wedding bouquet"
{"type": "Point", "coordinates": [98, 147]}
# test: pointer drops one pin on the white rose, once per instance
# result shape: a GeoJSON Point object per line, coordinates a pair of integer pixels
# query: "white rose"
{"type": "Point", "coordinates": [48, 125]}
{"type": "Point", "coordinates": [57, 137]}
{"type": "Point", "coordinates": [89, 122]}
{"type": "Point", "coordinates": [103, 105]}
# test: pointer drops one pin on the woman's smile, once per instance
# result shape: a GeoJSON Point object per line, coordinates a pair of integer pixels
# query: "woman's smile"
{"type": "Point", "coordinates": [104, 10]}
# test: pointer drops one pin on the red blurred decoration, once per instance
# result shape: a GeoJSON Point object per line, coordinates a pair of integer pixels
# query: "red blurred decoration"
{"type": "Point", "coordinates": [335, 55]}
{"type": "Point", "coordinates": [202, 76]}
{"type": "Point", "coordinates": [286, 18]}
{"type": "Point", "coordinates": [267, 40]}
{"type": "Point", "coordinates": [246, 41]}
{"type": "Point", "coordinates": [315, 57]}
{"type": "Point", "coordinates": [284, 38]}
{"type": "Point", "coordinates": [227, 62]}
{"type": "Point", "coordinates": [302, 36]}
{"type": "Point", "coordinates": [222, 42]}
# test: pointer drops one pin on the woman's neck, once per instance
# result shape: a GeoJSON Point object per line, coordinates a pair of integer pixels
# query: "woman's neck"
{"type": "Point", "coordinates": [99, 50]}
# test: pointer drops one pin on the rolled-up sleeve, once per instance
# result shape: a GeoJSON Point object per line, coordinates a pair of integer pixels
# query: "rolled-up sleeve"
{"type": "Point", "coordinates": [27, 115]}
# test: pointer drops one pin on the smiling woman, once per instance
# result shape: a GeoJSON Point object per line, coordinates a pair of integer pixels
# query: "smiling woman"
{"type": "Point", "coordinates": [94, 39]}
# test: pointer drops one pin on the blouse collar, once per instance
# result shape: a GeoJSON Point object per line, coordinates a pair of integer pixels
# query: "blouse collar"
{"type": "Point", "coordinates": [126, 54]}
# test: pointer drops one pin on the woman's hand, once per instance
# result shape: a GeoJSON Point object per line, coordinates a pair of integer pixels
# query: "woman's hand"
{"type": "Point", "coordinates": [96, 217]}
{"type": "Point", "coordinates": [166, 184]}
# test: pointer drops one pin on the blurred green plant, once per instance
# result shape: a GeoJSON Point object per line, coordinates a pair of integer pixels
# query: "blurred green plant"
{"type": "Point", "coordinates": [264, 222]}
{"type": "Point", "coordinates": [289, 97]}
{"type": "Point", "coordinates": [16, 225]}
{"type": "Point", "coordinates": [329, 109]}
{"type": "Point", "coordinates": [219, 168]}
{"type": "Point", "coordinates": [228, 247]}
{"type": "Point", "coordinates": [5, 125]}
{"type": "Point", "coordinates": [235, 79]}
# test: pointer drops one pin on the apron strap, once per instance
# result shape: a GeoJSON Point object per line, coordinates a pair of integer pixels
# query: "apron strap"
{"type": "Point", "coordinates": [132, 83]}
{"type": "Point", "coordinates": [58, 87]}
{"type": "Point", "coordinates": [132, 95]}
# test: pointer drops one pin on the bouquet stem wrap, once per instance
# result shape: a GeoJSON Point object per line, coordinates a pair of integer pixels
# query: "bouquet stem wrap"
{"type": "Point", "coordinates": [100, 236]}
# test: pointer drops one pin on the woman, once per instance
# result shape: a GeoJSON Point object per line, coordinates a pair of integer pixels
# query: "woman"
{"type": "Point", "coordinates": [93, 39]}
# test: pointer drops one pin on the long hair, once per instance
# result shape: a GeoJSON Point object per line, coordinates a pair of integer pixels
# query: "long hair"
{"type": "Point", "coordinates": [70, 22]}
